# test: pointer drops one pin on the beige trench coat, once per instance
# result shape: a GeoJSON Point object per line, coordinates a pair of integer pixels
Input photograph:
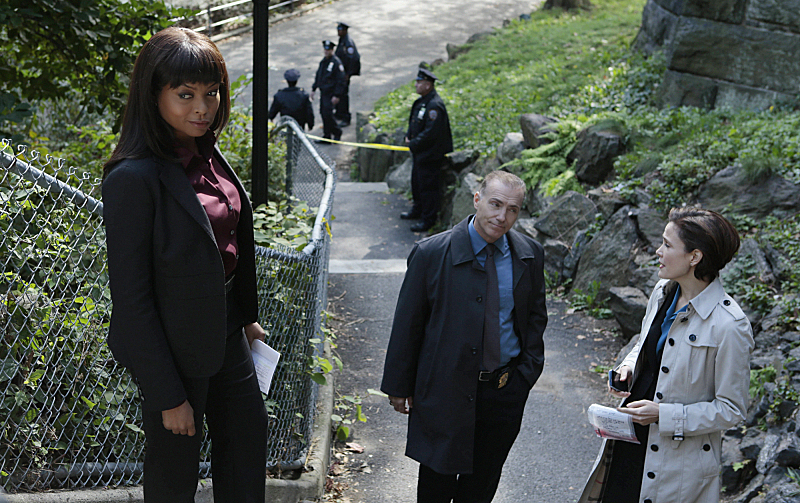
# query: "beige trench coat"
{"type": "Point", "coordinates": [702, 390]}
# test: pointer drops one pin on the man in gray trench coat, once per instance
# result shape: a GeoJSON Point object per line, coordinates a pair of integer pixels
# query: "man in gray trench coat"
{"type": "Point", "coordinates": [465, 395]}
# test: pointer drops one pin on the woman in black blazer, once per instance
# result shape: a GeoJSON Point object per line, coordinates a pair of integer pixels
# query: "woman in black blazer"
{"type": "Point", "coordinates": [181, 261]}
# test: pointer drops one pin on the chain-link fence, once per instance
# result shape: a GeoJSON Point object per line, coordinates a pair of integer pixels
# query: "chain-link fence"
{"type": "Point", "coordinates": [69, 415]}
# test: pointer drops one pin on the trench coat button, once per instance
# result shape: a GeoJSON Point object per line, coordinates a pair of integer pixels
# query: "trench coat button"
{"type": "Point", "coordinates": [648, 501]}
{"type": "Point", "coordinates": [665, 370]}
{"type": "Point", "coordinates": [660, 396]}
{"type": "Point", "coordinates": [651, 475]}
{"type": "Point", "coordinates": [726, 302]}
{"type": "Point", "coordinates": [654, 448]}
{"type": "Point", "coordinates": [479, 299]}
{"type": "Point", "coordinates": [692, 337]}
{"type": "Point", "coordinates": [671, 341]}
{"type": "Point", "coordinates": [706, 447]}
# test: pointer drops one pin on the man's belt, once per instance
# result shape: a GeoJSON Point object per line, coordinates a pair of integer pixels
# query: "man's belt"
{"type": "Point", "coordinates": [498, 378]}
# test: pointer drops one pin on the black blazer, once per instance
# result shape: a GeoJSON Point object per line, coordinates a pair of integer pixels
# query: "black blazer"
{"type": "Point", "coordinates": [167, 278]}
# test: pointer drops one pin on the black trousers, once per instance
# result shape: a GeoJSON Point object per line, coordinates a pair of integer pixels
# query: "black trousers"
{"type": "Point", "coordinates": [426, 181]}
{"type": "Point", "coordinates": [237, 423]}
{"type": "Point", "coordinates": [498, 419]}
{"type": "Point", "coordinates": [329, 127]}
{"type": "Point", "coordinates": [343, 107]}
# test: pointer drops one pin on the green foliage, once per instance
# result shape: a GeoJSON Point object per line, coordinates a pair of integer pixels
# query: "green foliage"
{"type": "Point", "coordinates": [759, 377]}
{"type": "Point", "coordinates": [794, 477]}
{"type": "Point", "coordinates": [589, 302]}
{"type": "Point", "coordinates": [349, 410]}
{"type": "Point", "coordinates": [741, 464]}
{"type": "Point", "coordinates": [780, 391]}
{"type": "Point", "coordinates": [546, 165]}
{"type": "Point", "coordinates": [276, 164]}
{"type": "Point", "coordinates": [79, 49]}
{"type": "Point", "coordinates": [236, 140]}
{"type": "Point", "coordinates": [691, 145]}
{"type": "Point", "coordinates": [742, 280]}
{"type": "Point", "coordinates": [287, 222]}
{"type": "Point", "coordinates": [62, 396]}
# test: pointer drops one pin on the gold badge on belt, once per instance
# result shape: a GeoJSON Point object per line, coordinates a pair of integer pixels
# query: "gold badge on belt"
{"type": "Point", "coordinates": [502, 380]}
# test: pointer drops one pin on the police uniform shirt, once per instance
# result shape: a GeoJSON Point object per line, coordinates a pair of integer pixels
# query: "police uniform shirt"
{"type": "Point", "coordinates": [429, 132]}
{"type": "Point", "coordinates": [294, 102]}
{"type": "Point", "coordinates": [330, 77]}
{"type": "Point", "coordinates": [346, 51]}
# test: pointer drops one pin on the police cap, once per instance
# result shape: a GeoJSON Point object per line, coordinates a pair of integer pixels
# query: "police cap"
{"type": "Point", "coordinates": [342, 26]}
{"type": "Point", "coordinates": [424, 74]}
{"type": "Point", "coordinates": [328, 45]}
{"type": "Point", "coordinates": [291, 75]}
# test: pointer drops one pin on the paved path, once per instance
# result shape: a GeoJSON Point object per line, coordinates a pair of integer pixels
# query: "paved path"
{"type": "Point", "coordinates": [556, 447]}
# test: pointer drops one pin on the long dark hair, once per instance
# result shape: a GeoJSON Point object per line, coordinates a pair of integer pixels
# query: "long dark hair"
{"type": "Point", "coordinates": [174, 56]}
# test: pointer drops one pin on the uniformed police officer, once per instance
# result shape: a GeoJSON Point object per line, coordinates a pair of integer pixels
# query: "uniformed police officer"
{"type": "Point", "coordinates": [347, 52]}
{"type": "Point", "coordinates": [330, 81]}
{"type": "Point", "coordinates": [293, 101]}
{"type": "Point", "coordinates": [429, 139]}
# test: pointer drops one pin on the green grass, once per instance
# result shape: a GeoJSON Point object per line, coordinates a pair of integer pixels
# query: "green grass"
{"type": "Point", "coordinates": [529, 67]}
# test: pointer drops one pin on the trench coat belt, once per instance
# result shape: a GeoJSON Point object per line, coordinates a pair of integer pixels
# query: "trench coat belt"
{"type": "Point", "coordinates": [229, 283]}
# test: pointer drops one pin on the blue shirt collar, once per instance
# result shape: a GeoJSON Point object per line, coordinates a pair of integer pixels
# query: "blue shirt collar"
{"type": "Point", "coordinates": [478, 243]}
{"type": "Point", "coordinates": [671, 313]}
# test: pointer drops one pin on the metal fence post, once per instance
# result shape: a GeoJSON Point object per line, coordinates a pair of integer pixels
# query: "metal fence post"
{"type": "Point", "coordinates": [290, 158]}
{"type": "Point", "coordinates": [260, 169]}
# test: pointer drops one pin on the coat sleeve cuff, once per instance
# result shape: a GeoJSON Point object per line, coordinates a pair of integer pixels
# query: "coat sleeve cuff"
{"type": "Point", "coordinates": [671, 420]}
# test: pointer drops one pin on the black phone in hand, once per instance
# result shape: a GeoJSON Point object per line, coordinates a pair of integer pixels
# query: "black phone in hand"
{"type": "Point", "coordinates": [615, 383]}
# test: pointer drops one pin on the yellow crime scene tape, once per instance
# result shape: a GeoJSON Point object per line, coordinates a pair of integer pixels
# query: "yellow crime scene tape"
{"type": "Point", "coordinates": [378, 146]}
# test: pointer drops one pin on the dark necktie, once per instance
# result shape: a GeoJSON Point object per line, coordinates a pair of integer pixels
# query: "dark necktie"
{"type": "Point", "coordinates": [491, 321]}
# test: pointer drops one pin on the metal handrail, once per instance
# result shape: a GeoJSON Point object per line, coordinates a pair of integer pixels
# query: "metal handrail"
{"type": "Point", "coordinates": [319, 222]}
{"type": "Point", "coordinates": [271, 7]}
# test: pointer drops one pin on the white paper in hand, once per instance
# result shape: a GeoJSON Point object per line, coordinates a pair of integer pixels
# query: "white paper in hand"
{"type": "Point", "coordinates": [611, 423]}
{"type": "Point", "coordinates": [265, 360]}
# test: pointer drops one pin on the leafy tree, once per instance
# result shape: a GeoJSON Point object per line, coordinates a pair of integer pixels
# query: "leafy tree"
{"type": "Point", "coordinates": [82, 48]}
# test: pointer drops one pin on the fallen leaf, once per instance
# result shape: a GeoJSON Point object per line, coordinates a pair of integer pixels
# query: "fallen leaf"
{"type": "Point", "coordinates": [354, 447]}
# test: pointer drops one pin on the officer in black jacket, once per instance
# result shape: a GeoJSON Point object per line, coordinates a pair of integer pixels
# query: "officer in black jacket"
{"type": "Point", "coordinates": [293, 101]}
{"type": "Point", "coordinates": [429, 139]}
{"type": "Point", "coordinates": [347, 52]}
{"type": "Point", "coordinates": [330, 81]}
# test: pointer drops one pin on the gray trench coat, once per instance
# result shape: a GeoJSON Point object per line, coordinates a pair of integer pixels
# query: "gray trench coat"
{"type": "Point", "coordinates": [702, 390]}
{"type": "Point", "coordinates": [434, 350]}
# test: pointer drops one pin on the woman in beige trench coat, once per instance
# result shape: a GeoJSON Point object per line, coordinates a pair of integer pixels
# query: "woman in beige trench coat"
{"type": "Point", "coordinates": [688, 374]}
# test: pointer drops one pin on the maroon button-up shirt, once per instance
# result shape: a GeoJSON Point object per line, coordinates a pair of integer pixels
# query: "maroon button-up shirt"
{"type": "Point", "coordinates": [218, 195]}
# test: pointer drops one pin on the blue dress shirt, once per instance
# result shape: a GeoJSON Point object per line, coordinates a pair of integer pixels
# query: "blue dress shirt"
{"type": "Point", "coordinates": [509, 342]}
{"type": "Point", "coordinates": [669, 319]}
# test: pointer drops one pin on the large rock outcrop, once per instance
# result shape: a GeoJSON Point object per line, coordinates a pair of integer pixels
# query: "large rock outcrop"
{"type": "Point", "coordinates": [724, 53]}
{"type": "Point", "coordinates": [730, 189]}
